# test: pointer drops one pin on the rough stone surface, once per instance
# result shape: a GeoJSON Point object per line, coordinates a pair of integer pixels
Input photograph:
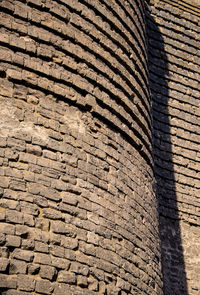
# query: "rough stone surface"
{"type": "Point", "coordinates": [78, 203]}
{"type": "Point", "coordinates": [173, 30]}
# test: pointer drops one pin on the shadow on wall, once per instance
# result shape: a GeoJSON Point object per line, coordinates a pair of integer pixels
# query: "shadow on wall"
{"type": "Point", "coordinates": [172, 259]}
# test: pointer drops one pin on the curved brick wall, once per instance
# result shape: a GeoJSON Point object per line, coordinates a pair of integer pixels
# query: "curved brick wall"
{"type": "Point", "coordinates": [174, 75]}
{"type": "Point", "coordinates": [78, 212]}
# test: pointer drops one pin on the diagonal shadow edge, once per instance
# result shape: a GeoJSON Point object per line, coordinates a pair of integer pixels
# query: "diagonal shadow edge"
{"type": "Point", "coordinates": [172, 258]}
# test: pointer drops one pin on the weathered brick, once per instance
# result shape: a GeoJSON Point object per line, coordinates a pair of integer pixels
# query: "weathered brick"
{"type": "Point", "coordinates": [44, 287]}
{"type": "Point", "coordinates": [17, 267]}
{"type": "Point", "coordinates": [69, 198]}
{"type": "Point", "coordinates": [13, 241]}
{"type": "Point", "coordinates": [4, 181]}
{"type": "Point", "coordinates": [27, 158]}
{"type": "Point", "coordinates": [60, 289]}
{"type": "Point", "coordinates": [78, 268]}
{"type": "Point", "coordinates": [23, 255]}
{"type": "Point", "coordinates": [82, 281]}
{"type": "Point", "coordinates": [41, 247]}
{"type": "Point", "coordinates": [69, 243]}
{"type": "Point", "coordinates": [4, 262]}
{"type": "Point", "coordinates": [17, 185]}
{"type": "Point", "coordinates": [25, 282]}
{"type": "Point", "coordinates": [10, 204]}
{"type": "Point", "coordinates": [51, 213]}
{"type": "Point", "coordinates": [14, 216]}
{"type": "Point", "coordinates": [47, 272]}
{"type": "Point", "coordinates": [29, 220]}
{"type": "Point", "coordinates": [61, 263]}
{"type": "Point", "coordinates": [8, 281]}
{"type": "Point", "coordinates": [33, 149]}
{"type": "Point", "coordinates": [66, 277]}
{"type": "Point", "coordinates": [2, 238]}
{"type": "Point", "coordinates": [4, 252]}
{"type": "Point", "coordinates": [6, 228]}
{"type": "Point", "coordinates": [57, 251]}
{"type": "Point", "coordinates": [42, 224]}
{"type": "Point", "coordinates": [33, 269]}
{"type": "Point", "coordinates": [42, 258]}
{"type": "Point", "coordinates": [41, 201]}
{"type": "Point", "coordinates": [29, 208]}
{"type": "Point", "coordinates": [93, 285]}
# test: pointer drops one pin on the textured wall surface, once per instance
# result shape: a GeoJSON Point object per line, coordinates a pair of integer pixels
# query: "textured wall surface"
{"type": "Point", "coordinates": [174, 42]}
{"type": "Point", "coordinates": [78, 212]}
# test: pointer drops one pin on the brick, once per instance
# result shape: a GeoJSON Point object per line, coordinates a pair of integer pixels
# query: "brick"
{"type": "Point", "coordinates": [88, 249]}
{"type": "Point", "coordinates": [60, 289]}
{"type": "Point", "coordinates": [2, 217]}
{"type": "Point", "coordinates": [10, 204]}
{"type": "Point", "coordinates": [50, 193]}
{"type": "Point", "coordinates": [29, 220]}
{"type": "Point", "coordinates": [4, 262]}
{"type": "Point", "coordinates": [44, 287]}
{"type": "Point", "coordinates": [17, 267]}
{"type": "Point", "coordinates": [57, 251]}
{"type": "Point", "coordinates": [2, 238]}
{"type": "Point", "coordinates": [14, 292]}
{"type": "Point", "coordinates": [93, 238]}
{"type": "Point", "coordinates": [58, 184]}
{"type": "Point", "coordinates": [27, 158]}
{"type": "Point", "coordinates": [42, 258]}
{"type": "Point", "coordinates": [4, 252]}
{"type": "Point", "coordinates": [47, 272]}
{"type": "Point", "coordinates": [8, 281]}
{"type": "Point", "coordinates": [25, 282]}
{"type": "Point", "coordinates": [28, 176]}
{"type": "Point", "coordinates": [17, 185]}
{"type": "Point", "coordinates": [13, 173]}
{"type": "Point", "coordinates": [13, 241]}
{"type": "Point", "coordinates": [33, 269]}
{"type": "Point", "coordinates": [41, 247]}
{"type": "Point", "coordinates": [24, 255]}
{"type": "Point", "coordinates": [51, 213]}
{"type": "Point", "coordinates": [16, 143]}
{"type": "Point", "coordinates": [29, 208]}
{"type": "Point", "coordinates": [97, 273]}
{"type": "Point", "coordinates": [66, 277]}
{"type": "Point", "coordinates": [69, 243]}
{"type": "Point", "coordinates": [49, 155]}
{"type": "Point", "coordinates": [61, 263]}
{"type": "Point", "coordinates": [11, 155]}
{"type": "Point", "coordinates": [93, 285]}
{"type": "Point", "coordinates": [22, 230]}
{"type": "Point", "coordinates": [69, 198]}
{"type": "Point", "coordinates": [11, 73]}
{"type": "Point", "coordinates": [3, 141]}
{"type": "Point", "coordinates": [43, 224]}
{"type": "Point", "coordinates": [78, 268]}
{"type": "Point", "coordinates": [82, 281]}
{"type": "Point", "coordinates": [41, 201]}
{"type": "Point", "coordinates": [7, 228]}
{"type": "Point", "coordinates": [4, 181]}
{"type": "Point", "coordinates": [14, 216]}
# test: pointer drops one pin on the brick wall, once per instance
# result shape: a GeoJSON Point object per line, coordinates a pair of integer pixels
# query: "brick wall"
{"type": "Point", "coordinates": [174, 42]}
{"type": "Point", "coordinates": [78, 210]}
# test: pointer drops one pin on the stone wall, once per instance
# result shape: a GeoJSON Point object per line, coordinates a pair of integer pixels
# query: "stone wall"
{"type": "Point", "coordinates": [174, 42]}
{"type": "Point", "coordinates": [78, 209]}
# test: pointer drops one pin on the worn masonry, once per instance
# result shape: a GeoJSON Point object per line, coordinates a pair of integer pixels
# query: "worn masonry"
{"type": "Point", "coordinates": [99, 147]}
